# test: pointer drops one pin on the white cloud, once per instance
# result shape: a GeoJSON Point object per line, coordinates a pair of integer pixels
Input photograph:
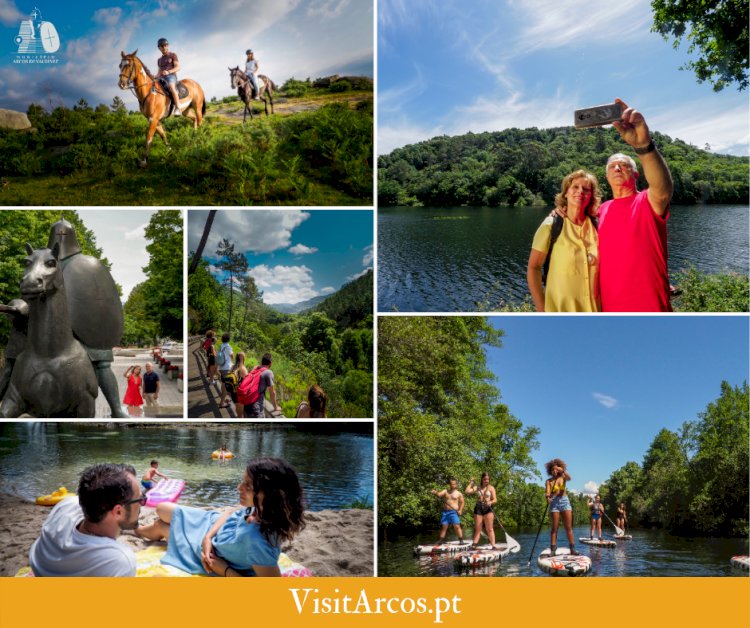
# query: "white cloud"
{"type": "Point", "coordinates": [328, 290]}
{"type": "Point", "coordinates": [369, 253]}
{"type": "Point", "coordinates": [109, 17]}
{"type": "Point", "coordinates": [605, 400]}
{"type": "Point", "coordinates": [327, 9]}
{"type": "Point", "coordinates": [590, 488]}
{"type": "Point", "coordinates": [357, 275]}
{"type": "Point", "coordinates": [395, 98]}
{"type": "Point", "coordinates": [301, 249]}
{"type": "Point", "coordinates": [284, 284]}
{"type": "Point", "coordinates": [9, 13]}
{"type": "Point", "coordinates": [258, 231]}
{"type": "Point", "coordinates": [550, 24]}
{"type": "Point", "coordinates": [139, 233]}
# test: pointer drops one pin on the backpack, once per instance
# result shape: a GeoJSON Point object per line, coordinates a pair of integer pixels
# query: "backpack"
{"type": "Point", "coordinates": [557, 225]}
{"type": "Point", "coordinates": [247, 391]}
{"type": "Point", "coordinates": [222, 357]}
{"type": "Point", "coordinates": [231, 382]}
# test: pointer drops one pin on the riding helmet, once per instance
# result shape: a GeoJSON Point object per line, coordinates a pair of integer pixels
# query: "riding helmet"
{"type": "Point", "coordinates": [248, 52]}
{"type": "Point", "coordinates": [161, 42]}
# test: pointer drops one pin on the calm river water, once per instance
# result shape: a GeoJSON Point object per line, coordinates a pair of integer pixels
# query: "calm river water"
{"type": "Point", "coordinates": [450, 259]}
{"type": "Point", "coordinates": [650, 553]}
{"type": "Point", "coordinates": [335, 468]}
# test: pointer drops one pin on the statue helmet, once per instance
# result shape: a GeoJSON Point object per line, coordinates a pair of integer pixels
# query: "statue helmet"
{"type": "Point", "coordinates": [63, 233]}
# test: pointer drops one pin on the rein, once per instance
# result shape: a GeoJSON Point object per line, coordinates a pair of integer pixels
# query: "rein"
{"type": "Point", "coordinates": [132, 85]}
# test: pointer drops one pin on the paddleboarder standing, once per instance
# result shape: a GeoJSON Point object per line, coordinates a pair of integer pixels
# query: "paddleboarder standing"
{"type": "Point", "coordinates": [559, 504]}
{"type": "Point", "coordinates": [597, 510]}
{"type": "Point", "coordinates": [453, 506]}
{"type": "Point", "coordinates": [622, 516]}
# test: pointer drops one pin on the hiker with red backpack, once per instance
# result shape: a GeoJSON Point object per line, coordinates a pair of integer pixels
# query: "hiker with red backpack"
{"type": "Point", "coordinates": [251, 392]}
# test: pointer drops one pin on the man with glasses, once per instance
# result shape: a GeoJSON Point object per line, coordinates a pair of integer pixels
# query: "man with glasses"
{"type": "Point", "coordinates": [633, 226]}
{"type": "Point", "coordinates": [79, 538]}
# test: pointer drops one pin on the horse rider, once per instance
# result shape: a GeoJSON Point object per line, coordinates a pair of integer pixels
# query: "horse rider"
{"type": "Point", "coordinates": [169, 64]}
{"type": "Point", "coordinates": [251, 68]}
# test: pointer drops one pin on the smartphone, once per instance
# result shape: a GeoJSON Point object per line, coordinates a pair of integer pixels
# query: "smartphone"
{"type": "Point", "coordinates": [597, 116]}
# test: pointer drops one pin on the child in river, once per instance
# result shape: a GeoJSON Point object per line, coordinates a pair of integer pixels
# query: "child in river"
{"type": "Point", "coordinates": [147, 481]}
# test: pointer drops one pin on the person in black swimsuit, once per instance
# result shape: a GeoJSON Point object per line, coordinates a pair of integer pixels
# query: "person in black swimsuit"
{"type": "Point", "coordinates": [483, 513]}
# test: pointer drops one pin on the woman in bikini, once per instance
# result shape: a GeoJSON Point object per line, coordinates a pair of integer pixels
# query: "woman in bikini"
{"type": "Point", "coordinates": [597, 510]}
{"type": "Point", "coordinates": [621, 516]}
{"type": "Point", "coordinates": [559, 504]}
{"type": "Point", "coordinates": [483, 513]}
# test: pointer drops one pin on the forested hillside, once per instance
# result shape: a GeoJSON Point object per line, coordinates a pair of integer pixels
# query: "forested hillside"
{"type": "Point", "coordinates": [525, 166]}
{"type": "Point", "coordinates": [330, 345]}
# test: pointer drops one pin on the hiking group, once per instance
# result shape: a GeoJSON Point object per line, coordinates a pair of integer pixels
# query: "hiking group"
{"type": "Point", "coordinates": [613, 257]}
{"type": "Point", "coordinates": [246, 389]}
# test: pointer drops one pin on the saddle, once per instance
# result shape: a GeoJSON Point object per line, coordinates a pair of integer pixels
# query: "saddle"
{"type": "Point", "coordinates": [182, 92]}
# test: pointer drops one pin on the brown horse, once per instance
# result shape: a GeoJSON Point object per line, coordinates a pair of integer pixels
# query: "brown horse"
{"type": "Point", "coordinates": [154, 101]}
{"type": "Point", "coordinates": [244, 87]}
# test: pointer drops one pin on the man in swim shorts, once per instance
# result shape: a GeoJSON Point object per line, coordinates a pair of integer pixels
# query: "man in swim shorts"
{"type": "Point", "coordinates": [79, 537]}
{"type": "Point", "coordinates": [453, 506]}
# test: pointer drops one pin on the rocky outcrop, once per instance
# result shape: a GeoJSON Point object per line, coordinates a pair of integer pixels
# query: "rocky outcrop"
{"type": "Point", "coordinates": [10, 119]}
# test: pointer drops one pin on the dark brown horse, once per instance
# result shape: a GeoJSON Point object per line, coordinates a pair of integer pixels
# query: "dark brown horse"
{"type": "Point", "coordinates": [154, 100]}
{"type": "Point", "coordinates": [244, 87]}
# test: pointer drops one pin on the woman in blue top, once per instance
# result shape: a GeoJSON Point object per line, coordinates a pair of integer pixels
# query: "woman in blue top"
{"type": "Point", "coordinates": [237, 542]}
{"type": "Point", "coordinates": [597, 508]}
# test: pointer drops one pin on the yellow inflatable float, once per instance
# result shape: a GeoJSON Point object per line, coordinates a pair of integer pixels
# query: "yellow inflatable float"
{"type": "Point", "coordinates": [216, 455]}
{"type": "Point", "coordinates": [55, 497]}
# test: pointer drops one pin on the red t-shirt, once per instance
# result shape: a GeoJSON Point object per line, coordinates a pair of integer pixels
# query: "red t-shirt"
{"type": "Point", "coordinates": [167, 61]}
{"type": "Point", "coordinates": [633, 256]}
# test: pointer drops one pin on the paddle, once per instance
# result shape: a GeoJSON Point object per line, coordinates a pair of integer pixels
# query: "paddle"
{"type": "Point", "coordinates": [541, 523]}
{"type": "Point", "coordinates": [619, 531]}
{"type": "Point", "coordinates": [513, 545]}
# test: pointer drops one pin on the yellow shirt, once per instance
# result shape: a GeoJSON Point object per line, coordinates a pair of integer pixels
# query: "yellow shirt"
{"type": "Point", "coordinates": [571, 280]}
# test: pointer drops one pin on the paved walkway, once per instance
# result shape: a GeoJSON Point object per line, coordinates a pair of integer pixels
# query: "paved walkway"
{"type": "Point", "coordinates": [204, 397]}
{"type": "Point", "coordinates": [171, 401]}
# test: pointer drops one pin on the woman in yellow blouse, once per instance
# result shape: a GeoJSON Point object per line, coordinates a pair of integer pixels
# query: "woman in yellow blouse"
{"type": "Point", "coordinates": [572, 275]}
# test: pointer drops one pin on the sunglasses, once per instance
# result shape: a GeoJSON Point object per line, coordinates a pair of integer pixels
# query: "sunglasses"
{"type": "Point", "coordinates": [138, 500]}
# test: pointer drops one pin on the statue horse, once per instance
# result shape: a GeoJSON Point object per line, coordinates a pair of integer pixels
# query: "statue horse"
{"type": "Point", "coordinates": [53, 376]}
{"type": "Point", "coordinates": [155, 102]}
{"type": "Point", "coordinates": [244, 87]}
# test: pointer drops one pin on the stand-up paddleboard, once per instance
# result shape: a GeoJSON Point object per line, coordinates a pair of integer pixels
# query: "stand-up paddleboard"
{"type": "Point", "coordinates": [449, 547]}
{"type": "Point", "coordinates": [741, 562]}
{"type": "Point", "coordinates": [597, 542]}
{"type": "Point", "coordinates": [482, 555]}
{"type": "Point", "coordinates": [165, 491]}
{"type": "Point", "coordinates": [562, 563]}
{"type": "Point", "coordinates": [622, 537]}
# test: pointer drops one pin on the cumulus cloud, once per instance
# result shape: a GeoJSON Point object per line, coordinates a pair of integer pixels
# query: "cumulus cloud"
{"type": "Point", "coordinates": [139, 233]}
{"type": "Point", "coordinates": [590, 488]}
{"type": "Point", "coordinates": [328, 290]}
{"type": "Point", "coordinates": [357, 275]}
{"type": "Point", "coordinates": [284, 284]}
{"type": "Point", "coordinates": [605, 400]}
{"type": "Point", "coordinates": [256, 231]}
{"type": "Point", "coordinates": [301, 249]}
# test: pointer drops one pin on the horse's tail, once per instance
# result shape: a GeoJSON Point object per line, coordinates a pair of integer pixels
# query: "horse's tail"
{"type": "Point", "coordinates": [203, 108]}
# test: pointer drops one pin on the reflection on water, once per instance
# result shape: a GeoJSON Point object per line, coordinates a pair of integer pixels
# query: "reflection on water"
{"type": "Point", "coordinates": [335, 468]}
{"type": "Point", "coordinates": [650, 553]}
{"type": "Point", "coordinates": [430, 260]}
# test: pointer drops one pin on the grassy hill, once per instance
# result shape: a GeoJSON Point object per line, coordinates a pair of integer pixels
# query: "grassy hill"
{"type": "Point", "coordinates": [315, 150]}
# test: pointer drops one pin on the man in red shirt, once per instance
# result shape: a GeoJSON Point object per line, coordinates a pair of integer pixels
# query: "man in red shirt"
{"type": "Point", "coordinates": [633, 226]}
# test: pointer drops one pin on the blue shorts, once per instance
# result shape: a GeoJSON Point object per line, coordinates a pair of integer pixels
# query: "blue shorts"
{"type": "Point", "coordinates": [596, 516]}
{"type": "Point", "coordinates": [449, 517]}
{"type": "Point", "coordinates": [147, 484]}
{"type": "Point", "coordinates": [171, 78]}
{"type": "Point", "coordinates": [561, 503]}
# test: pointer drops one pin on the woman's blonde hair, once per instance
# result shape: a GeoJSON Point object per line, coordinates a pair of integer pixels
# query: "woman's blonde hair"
{"type": "Point", "coordinates": [596, 195]}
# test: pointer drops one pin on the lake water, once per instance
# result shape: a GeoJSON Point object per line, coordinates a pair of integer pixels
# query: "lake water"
{"type": "Point", "coordinates": [650, 553]}
{"type": "Point", "coordinates": [450, 259]}
{"type": "Point", "coordinates": [334, 468]}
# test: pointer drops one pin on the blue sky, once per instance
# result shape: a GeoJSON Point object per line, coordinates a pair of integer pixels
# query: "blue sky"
{"type": "Point", "coordinates": [294, 255]}
{"type": "Point", "coordinates": [291, 38]}
{"type": "Point", "coordinates": [600, 389]}
{"type": "Point", "coordinates": [453, 67]}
